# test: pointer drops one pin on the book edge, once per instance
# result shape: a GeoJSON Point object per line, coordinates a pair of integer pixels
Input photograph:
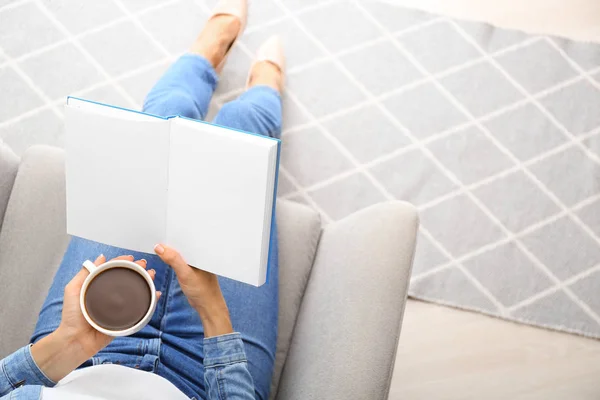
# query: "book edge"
{"type": "Point", "coordinates": [273, 226]}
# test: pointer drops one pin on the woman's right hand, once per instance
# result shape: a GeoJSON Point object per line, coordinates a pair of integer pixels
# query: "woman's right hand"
{"type": "Point", "coordinates": [202, 291]}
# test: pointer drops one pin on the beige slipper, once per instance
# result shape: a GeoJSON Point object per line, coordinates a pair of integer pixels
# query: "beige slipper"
{"type": "Point", "coordinates": [271, 51]}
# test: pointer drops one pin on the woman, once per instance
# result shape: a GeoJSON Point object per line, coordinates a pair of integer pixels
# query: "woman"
{"type": "Point", "coordinates": [189, 349]}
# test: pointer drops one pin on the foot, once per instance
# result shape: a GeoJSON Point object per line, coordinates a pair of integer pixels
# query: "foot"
{"type": "Point", "coordinates": [217, 37]}
{"type": "Point", "coordinates": [269, 66]}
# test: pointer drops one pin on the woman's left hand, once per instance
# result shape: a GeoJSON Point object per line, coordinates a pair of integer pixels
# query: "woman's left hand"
{"type": "Point", "coordinates": [75, 340]}
{"type": "Point", "coordinates": [73, 324]}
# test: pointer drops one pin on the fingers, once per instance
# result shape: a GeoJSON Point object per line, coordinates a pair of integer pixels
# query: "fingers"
{"type": "Point", "coordinates": [83, 273]}
{"type": "Point", "coordinates": [77, 282]}
{"type": "Point", "coordinates": [152, 274]}
{"type": "Point", "coordinates": [171, 257]}
{"type": "Point", "coordinates": [158, 294]}
{"type": "Point", "coordinates": [141, 262]}
{"type": "Point", "coordinates": [100, 260]}
{"type": "Point", "coordinates": [128, 258]}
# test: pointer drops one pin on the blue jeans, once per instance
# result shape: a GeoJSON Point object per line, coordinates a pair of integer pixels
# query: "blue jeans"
{"type": "Point", "coordinates": [171, 344]}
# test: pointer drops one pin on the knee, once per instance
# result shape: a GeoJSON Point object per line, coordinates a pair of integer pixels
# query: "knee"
{"type": "Point", "coordinates": [172, 102]}
{"type": "Point", "coordinates": [251, 117]}
{"type": "Point", "coordinates": [236, 112]}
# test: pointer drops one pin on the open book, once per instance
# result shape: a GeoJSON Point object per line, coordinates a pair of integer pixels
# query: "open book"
{"type": "Point", "coordinates": [135, 180]}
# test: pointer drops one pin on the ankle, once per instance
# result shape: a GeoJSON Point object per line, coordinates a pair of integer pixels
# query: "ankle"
{"type": "Point", "coordinates": [214, 52]}
{"type": "Point", "coordinates": [216, 38]}
{"type": "Point", "coordinates": [268, 74]}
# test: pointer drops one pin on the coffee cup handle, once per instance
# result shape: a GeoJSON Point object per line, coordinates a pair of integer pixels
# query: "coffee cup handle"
{"type": "Point", "coordinates": [90, 266]}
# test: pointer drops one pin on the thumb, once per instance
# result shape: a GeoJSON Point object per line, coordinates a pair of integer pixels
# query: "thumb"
{"type": "Point", "coordinates": [171, 257]}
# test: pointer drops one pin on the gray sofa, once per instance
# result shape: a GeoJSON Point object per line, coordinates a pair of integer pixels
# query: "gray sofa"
{"type": "Point", "coordinates": [343, 287]}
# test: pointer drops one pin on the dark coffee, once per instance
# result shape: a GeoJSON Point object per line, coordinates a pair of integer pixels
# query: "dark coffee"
{"type": "Point", "coordinates": [117, 298]}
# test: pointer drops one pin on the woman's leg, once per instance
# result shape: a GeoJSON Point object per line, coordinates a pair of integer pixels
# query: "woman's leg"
{"type": "Point", "coordinates": [258, 110]}
{"type": "Point", "coordinates": [187, 86]}
{"type": "Point", "coordinates": [185, 90]}
{"type": "Point", "coordinates": [253, 310]}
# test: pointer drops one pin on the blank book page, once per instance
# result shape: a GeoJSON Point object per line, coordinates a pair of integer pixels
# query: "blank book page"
{"type": "Point", "coordinates": [116, 177]}
{"type": "Point", "coordinates": [218, 185]}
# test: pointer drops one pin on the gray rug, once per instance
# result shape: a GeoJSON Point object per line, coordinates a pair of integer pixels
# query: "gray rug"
{"type": "Point", "coordinates": [492, 134]}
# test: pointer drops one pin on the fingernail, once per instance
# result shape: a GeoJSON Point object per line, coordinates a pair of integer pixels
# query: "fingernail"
{"type": "Point", "coordinates": [152, 271]}
{"type": "Point", "coordinates": [159, 249]}
{"type": "Point", "coordinates": [144, 260]}
{"type": "Point", "coordinates": [158, 293]}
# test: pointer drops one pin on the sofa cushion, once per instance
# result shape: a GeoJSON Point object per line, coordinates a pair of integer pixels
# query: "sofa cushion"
{"type": "Point", "coordinates": [32, 242]}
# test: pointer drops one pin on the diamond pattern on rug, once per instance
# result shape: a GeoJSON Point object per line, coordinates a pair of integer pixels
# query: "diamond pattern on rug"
{"type": "Point", "coordinates": [493, 134]}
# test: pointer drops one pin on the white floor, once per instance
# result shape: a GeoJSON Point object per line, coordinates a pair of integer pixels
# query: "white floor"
{"type": "Point", "coordinates": [447, 354]}
{"type": "Point", "coordinates": [575, 19]}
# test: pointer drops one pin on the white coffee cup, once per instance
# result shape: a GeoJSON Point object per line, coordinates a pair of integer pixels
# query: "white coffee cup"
{"type": "Point", "coordinates": [94, 272]}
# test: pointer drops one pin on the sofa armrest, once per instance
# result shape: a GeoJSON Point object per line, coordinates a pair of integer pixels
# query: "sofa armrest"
{"type": "Point", "coordinates": [348, 327]}
{"type": "Point", "coordinates": [9, 164]}
{"type": "Point", "coordinates": [32, 243]}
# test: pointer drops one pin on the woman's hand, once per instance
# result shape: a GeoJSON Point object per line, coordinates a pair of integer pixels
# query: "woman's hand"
{"type": "Point", "coordinates": [74, 341]}
{"type": "Point", "coordinates": [202, 291]}
{"type": "Point", "coordinates": [73, 324]}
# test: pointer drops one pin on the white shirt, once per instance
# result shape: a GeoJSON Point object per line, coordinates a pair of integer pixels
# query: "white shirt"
{"type": "Point", "coordinates": [114, 382]}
